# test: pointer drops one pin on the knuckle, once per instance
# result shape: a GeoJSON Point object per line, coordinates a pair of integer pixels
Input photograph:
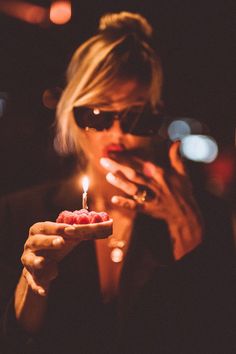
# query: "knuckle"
{"type": "Point", "coordinates": [23, 259]}
{"type": "Point", "coordinates": [134, 189]}
{"type": "Point", "coordinates": [59, 229]}
{"type": "Point", "coordinates": [37, 228]}
{"type": "Point", "coordinates": [132, 174]}
{"type": "Point", "coordinates": [32, 243]}
{"type": "Point", "coordinates": [27, 244]}
{"type": "Point", "coordinates": [130, 205]}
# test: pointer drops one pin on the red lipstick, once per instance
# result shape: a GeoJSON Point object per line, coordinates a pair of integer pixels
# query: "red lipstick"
{"type": "Point", "coordinates": [113, 148]}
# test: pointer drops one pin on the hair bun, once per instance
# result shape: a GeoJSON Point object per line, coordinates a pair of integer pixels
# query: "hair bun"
{"type": "Point", "coordinates": [119, 24]}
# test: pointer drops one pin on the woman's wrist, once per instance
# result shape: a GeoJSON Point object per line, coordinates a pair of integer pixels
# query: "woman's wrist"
{"type": "Point", "coordinates": [29, 306]}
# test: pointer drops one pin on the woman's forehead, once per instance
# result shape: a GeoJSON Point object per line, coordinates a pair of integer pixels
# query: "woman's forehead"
{"type": "Point", "coordinates": [125, 93]}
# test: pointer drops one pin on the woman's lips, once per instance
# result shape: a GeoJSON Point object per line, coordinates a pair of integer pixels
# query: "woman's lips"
{"type": "Point", "coordinates": [113, 148]}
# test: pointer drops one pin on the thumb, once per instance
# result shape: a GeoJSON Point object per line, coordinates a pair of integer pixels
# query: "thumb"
{"type": "Point", "coordinates": [175, 158]}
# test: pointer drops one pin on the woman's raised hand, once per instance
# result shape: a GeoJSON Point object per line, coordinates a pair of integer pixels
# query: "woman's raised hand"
{"type": "Point", "coordinates": [43, 250]}
{"type": "Point", "coordinates": [49, 242]}
{"type": "Point", "coordinates": [161, 194]}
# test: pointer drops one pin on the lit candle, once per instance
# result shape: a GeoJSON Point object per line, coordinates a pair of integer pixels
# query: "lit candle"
{"type": "Point", "coordinates": [85, 184]}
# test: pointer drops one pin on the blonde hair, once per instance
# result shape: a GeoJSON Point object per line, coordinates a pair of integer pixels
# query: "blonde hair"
{"type": "Point", "coordinates": [120, 51]}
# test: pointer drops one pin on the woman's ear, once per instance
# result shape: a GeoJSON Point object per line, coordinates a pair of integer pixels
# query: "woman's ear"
{"type": "Point", "coordinates": [176, 159]}
{"type": "Point", "coordinates": [51, 96]}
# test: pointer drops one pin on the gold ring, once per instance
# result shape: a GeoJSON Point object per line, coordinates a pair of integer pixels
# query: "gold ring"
{"type": "Point", "coordinates": [140, 196]}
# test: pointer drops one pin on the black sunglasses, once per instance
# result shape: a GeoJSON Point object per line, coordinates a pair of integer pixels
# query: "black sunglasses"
{"type": "Point", "coordinates": [137, 122]}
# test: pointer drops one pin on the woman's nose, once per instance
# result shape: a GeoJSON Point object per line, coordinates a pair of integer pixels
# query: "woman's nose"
{"type": "Point", "coordinates": [116, 128]}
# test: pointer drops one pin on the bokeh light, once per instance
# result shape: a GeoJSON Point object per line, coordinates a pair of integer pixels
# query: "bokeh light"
{"type": "Point", "coordinates": [3, 103]}
{"type": "Point", "coordinates": [60, 12]}
{"type": "Point", "coordinates": [200, 148]}
{"type": "Point", "coordinates": [181, 127]}
{"type": "Point", "coordinates": [22, 10]}
{"type": "Point", "coordinates": [178, 129]}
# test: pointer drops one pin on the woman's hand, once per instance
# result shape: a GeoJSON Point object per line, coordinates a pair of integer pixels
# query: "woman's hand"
{"type": "Point", "coordinates": [45, 247]}
{"type": "Point", "coordinates": [172, 198]}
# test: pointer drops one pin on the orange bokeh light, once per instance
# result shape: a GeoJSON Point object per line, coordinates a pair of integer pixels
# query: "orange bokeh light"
{"type": "Point", "coordinates": [24, 11]}
{"type": "Point", "coordinates": [60, 12]}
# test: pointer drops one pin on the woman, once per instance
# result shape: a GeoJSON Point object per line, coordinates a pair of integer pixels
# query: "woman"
{"type": "Point", "coordinates": [78, 297]}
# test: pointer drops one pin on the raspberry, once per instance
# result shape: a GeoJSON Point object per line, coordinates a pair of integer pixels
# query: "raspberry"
{"type": "Point", "coordinates": [95, 218]}
{"type": "Point", "coordinates": [60, 217]}
{"type": "Point", "coordinates": [68, 217]}
{"type": "Point", "coordinates": [81, 216]}
{"type": "Point", "coordinates": [65, 216]}
{"type": "Point", "coordinates": [81, 211]}
{"type": "Point", "coordinates": [104, 216]}
{"type": "Point", "coordinates": [91, 214]}
{"type": "Point", "coordinates": [81, 219]}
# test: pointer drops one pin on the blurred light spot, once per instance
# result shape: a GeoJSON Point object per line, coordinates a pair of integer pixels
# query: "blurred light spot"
{"type": "Point", "coordinates": [2, 107]}
{"type": "Point", "coordinates": [199, 148]}
{"type": "Point", "coordinates": [24, 11]}
{"type": "Point", "coordinates": [178, 129]}
{"type": "Point", "coordinates": [221, 174]}
{"type": "Point", "coordinates": [223, 167]}
{"type": "Point", "coordinates": [3, 103]}
{"type": "Point", "coordinates": [96, 111]}
{"type": "Point", "coordinates": [60, 12]}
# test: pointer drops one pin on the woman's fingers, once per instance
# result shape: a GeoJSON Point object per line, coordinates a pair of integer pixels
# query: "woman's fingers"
{"type": "Point", "coordinates": [44, 242]}
{"type": "Point", "coordinates": [44, 248]}
{"type": "Point", "coordinates": [47, 228]}
{"type": "Point", "coordinates": [122, 183]}
{"type": "Point", "coordinates": [132, 184]}
{"type": "Point", "coordinates": [40, 290]}
{"type": "Point", "coordinates": [129, 172]}
{"type": "Point", "coordinates": [47, 274]}
{"type": "Point", "coordinates": [39, 279]}
{"type": "Point", "coordinates": [123, 202]}
{"type": "Point", "coordinates": [31, 260]}
{"type": "Point", "coordinates": [157, 177]}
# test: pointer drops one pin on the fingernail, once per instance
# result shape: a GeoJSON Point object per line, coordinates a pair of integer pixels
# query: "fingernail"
{"type": "Point", "coordinates": [41, 292]}
{"type": "Point", "coordinates": [104, 162]}
{"type": "Point", "coordinates": [57, 242]}
{"type": "Point", "coordinates": [70, 228]}
{"type": "Point", "coordinates": [148, 169]}
{"type": "Point", "coordinates": [110, 177]}
{"type": "Point", "coordinates": [38, 262]}
{"type": "Point", "coordinates": [115, 200]}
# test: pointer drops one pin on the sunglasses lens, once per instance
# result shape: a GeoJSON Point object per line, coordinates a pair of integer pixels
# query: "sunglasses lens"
{"type": "Point", "coordinates": [145, 123]}
{"type": "Point", "coordinates": [92, 118]}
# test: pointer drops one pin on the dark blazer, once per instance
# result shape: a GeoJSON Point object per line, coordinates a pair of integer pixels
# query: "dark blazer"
{"type": "Point", "coordinates": [163, 306]}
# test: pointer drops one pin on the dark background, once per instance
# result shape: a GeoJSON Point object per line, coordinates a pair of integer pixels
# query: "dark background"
{"type": "Point", "coordinates": [197, 45]}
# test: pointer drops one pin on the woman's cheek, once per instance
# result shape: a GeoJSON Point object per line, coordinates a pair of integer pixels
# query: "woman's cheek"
{"type": "Point", "coordinates": [138, 142]}
{"type": "Point", "coordinates": [92, 145]}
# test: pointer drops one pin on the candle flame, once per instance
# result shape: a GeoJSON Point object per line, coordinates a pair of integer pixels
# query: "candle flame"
{"type": "Point", "coordinates": [85, 183]}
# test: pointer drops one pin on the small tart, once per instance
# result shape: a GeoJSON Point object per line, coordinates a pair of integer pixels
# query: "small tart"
{"type": "Point", "coordinates": [85, 225]}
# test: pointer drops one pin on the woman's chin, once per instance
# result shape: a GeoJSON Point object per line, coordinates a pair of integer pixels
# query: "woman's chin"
{"type": "Point", "coordinates": [97, 168]}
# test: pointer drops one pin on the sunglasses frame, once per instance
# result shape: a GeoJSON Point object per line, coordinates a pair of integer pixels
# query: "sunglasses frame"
{"type": "Point", "coordinates": [124, 117]}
